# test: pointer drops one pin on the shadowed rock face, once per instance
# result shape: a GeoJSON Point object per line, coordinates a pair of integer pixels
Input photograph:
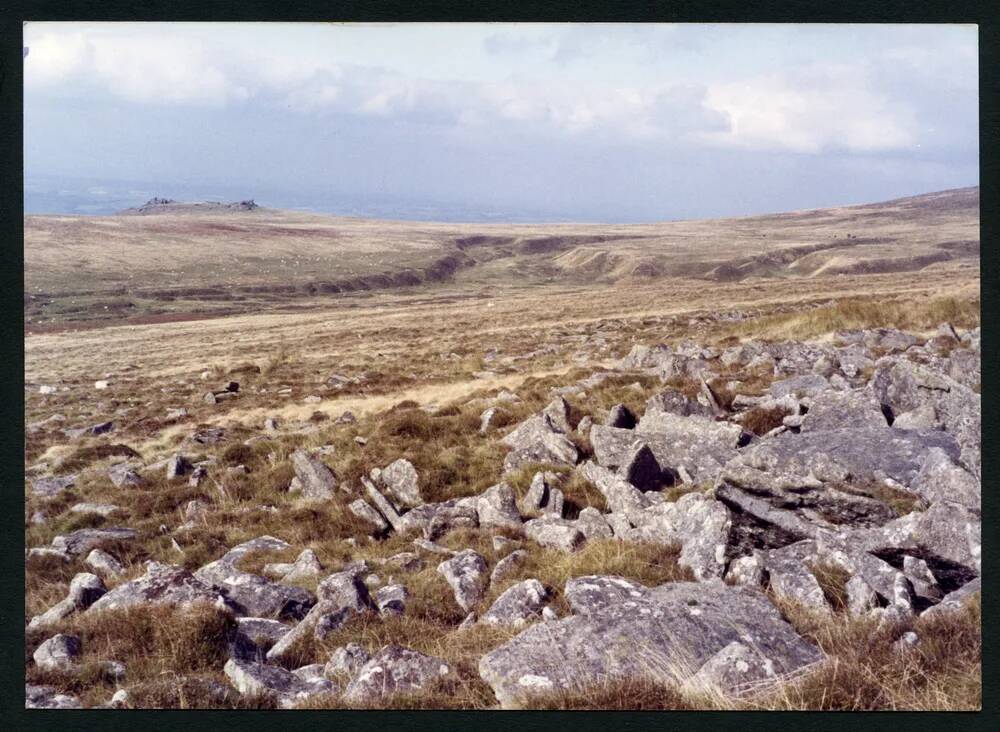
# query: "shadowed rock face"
{"type": "Point", "coordinates": [621, 629]}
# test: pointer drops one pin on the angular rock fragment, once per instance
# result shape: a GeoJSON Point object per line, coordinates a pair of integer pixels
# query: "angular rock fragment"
{"type": "Point", "coordinates": [555, 533]}
{"type": "Point", "coordinates": [517, 604]}
{"type": "Point", "coordinates": [497, 507]}
{"type": "Point", "coordinates": [84, 590]}
{"type": "Point", "coordinates": [467, 575]}
{"type": "Point", "coordinates": [394, 670]}
{"type": "Point", "coordinates": [59, 653]}
{"type": "Point", "coordinates": [279, 684]}
{"type": "Point", "coordinates": [162, 584]}
{"type": "Point", "coordinates": [400, 481]}
{"type": "Point", "coordinates": [317, 480]}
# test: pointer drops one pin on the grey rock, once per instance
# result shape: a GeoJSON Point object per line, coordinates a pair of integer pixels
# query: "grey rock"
{"type": "Point", "coordinates": [400, 480]}
{"type": "Point", "coordinates": [51, 486]}
{"type": "Point", "coordinates": [83, 540]}
{"type": "Point", "coordinates": [177, 466]}
{"type": "Point", "coordinates": [830, 410]}
{"type": "Point", "coordinates": [100, 509]}
{"type": "Point", "coordinates": [123, 476]}
{"type": "Point", "coordinates": [384, 506]}
{"type": "Point", "coordinates": [405, 562]}
{"type": "Point", "coordinates": [490, 417]}
{"type": "Point", "coordinates": [256, 636]}
{"type": "Point", "coordinates": [467, 575]}
{"type": "Point", "coordinates": [956, 600]}
{"type": "Point", "coordinates": [263, 680]}
{"type": "Point", "coordinates": [162, 584]}
{"type": "Point", "coordinates": [676, 403]}
{"type": "Point", "coordinates": [736, 669]}
{"type": "Point", "coordinates": [251, 594]}
{"type": "Point", "coordinates": [508, 565]}
{"type": "Point", "coordinates": [391, 599]}
{"type": "Point", "coordinates": [346, 661]}
{"type": "Point", "coordinates": [102, 562]}
{"type": "Point", "coordinates": [394, 670]}
{"type": "Point", "coordinates": [317, 480]}
{"type": "Point", "coordinates": [620, 416]}
{"type": "Point", "coordinates": [941, 479]}
{"type": "Point", "coordinates": [621, 629]}
{"type": "Point", "coordinates": [538, 439]}
{"type": "Point", "coordinates": [363, 510]}
{"type": "Point", "coordinates": [555, 533]}
{"type": "Point", "coordinates": [620, 495]}
{"type": "Point", "coordinates": [558, 411]}
{"type": "Point", "coordinates": [46, 697]}
{"type": "Point", "coordinates": [84, 590]}
{"type": "Point", "coordinates": [59, 653]}
{"type": "Point", "coordinates": [517, 604]}
{"type": "Point", "coordinates": [593, 525]}
{"type": "Point", "coordinates": [497, 507]}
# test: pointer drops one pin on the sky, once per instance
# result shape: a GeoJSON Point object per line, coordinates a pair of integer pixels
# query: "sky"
{"type": "Point", "coordinates": [533, 122]}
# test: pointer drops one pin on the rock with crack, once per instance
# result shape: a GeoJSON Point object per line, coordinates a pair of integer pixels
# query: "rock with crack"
{"type": "Point", "coordinates": [401, 481]}
{"type": "Point", "coordinates": [251, 594]}
{"type": "Point", "coordinates": [619, 495]}
{"type": "Point", "coordinates": [676, 403]}
{"type": "Point", "coordinates": [59, 653]}
{"type": "Point", "coordinates": [384, 506]}
{"type": "Point", "coordinates": [317, 480]}
{"type": "Point", "coordinates": [942, 479]}
{"type": "Point", "coordinates": [623, 630]}
{"type": "Point", "coordinates": [790, 578]}
{"type": "Point", "coordinates": [518, 604]}
{"type": "Point", "coordinates": [394, 670]}
{"type": "Point", "coordinates": [697, 445]}
{"type": "Point", "coordinates": [842, 455]}
{"type": "Point", "coordinates": [254, 637]}
{"type": "Point", "coordinates": [346, 661]}
{"type": "Point", "coordinates": [541, 493]}
{"type": "Point", "coordinates": [284, 687]}
{"type": "Point", "coordinates": [492, 417]}
{"type": "Point", "coordinates": [364, 511]}
{"type": "Point", "coordinates": [902, 386]}
{"type": "Point", "coordinates": [555, 533]}
{"type": "Point", "coordinates": [342, 596]}
{"type": "Point", "coordinates": [162, 584]}
{"type": "Point", "coordinates": [558, 412]}
{"type": "Point", "coordinates": [831, 410]}
{"type": "Point", "coordinates": [699, 524]}
{"type": "Point", "coordinates": [468, 577]}
{"type": "Point", "coordinates": [538, 440]}
{"type": "Point", "coordinates": [84, 590]}
{"type": "Point", "coordinates": [497, 507]}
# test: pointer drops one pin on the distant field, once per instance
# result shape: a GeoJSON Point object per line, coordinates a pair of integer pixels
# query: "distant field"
{"type": "Point", "coordinates": [182, 263]}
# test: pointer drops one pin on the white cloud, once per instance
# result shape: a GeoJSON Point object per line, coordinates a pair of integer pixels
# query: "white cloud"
{"type": "Point", "coordinates": [820, 108]}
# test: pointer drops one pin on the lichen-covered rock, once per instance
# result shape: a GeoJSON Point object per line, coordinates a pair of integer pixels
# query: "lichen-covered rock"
{"type": "Point", "coordinates": [394, 670]}
{"type": "Point", "coordinates": [639, 467]}
{"type": "Point", "coordinates": [737, 668]}
{"type": "Point", "coordinates": [162, 584]}
{"type": "Point", "coordinates": [391, 599]}
{"type": "Point", "coordinates": [100, 561]}
{"type": "Point", "coordinates": [497, 507]}
{"type": "Point", "coordinates": [517, 604]}
{"type": "Point", "coordinates": [363, 510]}
{"type": "Point", "coordinates": [942, 479]}
{"type": "Point", "coordinates": [555, 533]}
{"type": "Point", "coordinates": [538, 440]}
{"type": "Point", "coordinates": [468, 576]}
{"type": "Point", "coordinates": [59, 653]}
{"type": "Point", "coordinates": [346, 661]}
{"type": "Point", "coordinates": [401, 481]}
{"type": "Point", "coordinates": [279, 684]}
{"type": "Point", "coordinates": [317, 480]}
{"type": "Point", "coordinates": [82, 541]}
{"type": "Point", "coordinates": [251, 594]}
{"type": "Point", "coordinates": [508, 565]}
{"type": "Point", "coordinates": [857, 408]}
{"type": "Point", "coordinates": [620, 416]}
{"type": "Point", "coordinates": [46, 697]}
{"type": "Point", "coordinates": [621, 629]}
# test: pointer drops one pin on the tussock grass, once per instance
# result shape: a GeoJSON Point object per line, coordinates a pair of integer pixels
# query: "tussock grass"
{"type": "Point", "coordinates": [855, 313]}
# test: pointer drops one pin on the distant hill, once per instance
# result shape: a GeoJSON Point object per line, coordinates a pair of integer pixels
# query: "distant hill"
{"type": "Point", "coordinates": [168, 256]}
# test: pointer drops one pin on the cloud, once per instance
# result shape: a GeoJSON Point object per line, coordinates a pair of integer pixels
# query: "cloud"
{"type": "Point", "coordinates": [868, 105]}
{"type": "Point", "coordinates": [810, 111]}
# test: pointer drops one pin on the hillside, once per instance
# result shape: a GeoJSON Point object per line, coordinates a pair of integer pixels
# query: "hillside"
{"type": "Point", "coordinates": [167, 260]}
